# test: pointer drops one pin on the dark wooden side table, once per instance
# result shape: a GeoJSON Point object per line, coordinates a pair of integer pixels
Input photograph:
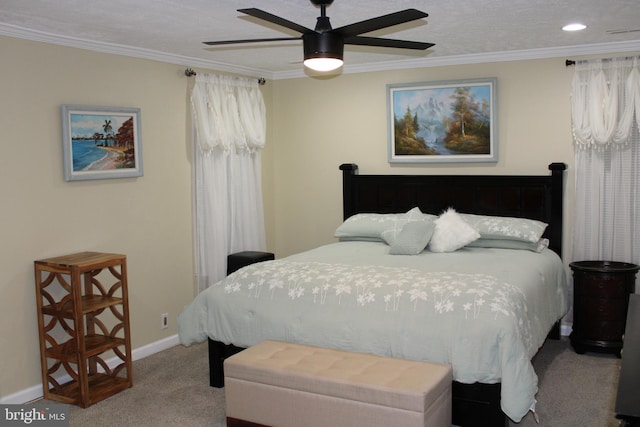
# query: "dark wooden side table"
{"type": "Point", "coordinates": [601, 292]}
{"type": "Point", "coordinates": [628, 398]}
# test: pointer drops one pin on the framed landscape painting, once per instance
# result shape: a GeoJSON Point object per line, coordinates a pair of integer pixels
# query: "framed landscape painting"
{"type": "Point", "coordinates": [101, 142]}
{"type": "Point", "coordinates": [439, 122]}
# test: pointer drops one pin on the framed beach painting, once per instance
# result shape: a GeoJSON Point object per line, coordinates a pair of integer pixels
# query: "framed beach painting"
{"type": "Point", "coordinates": [443, 122]}
{"type": "Point", "coordinates": [101, 142]}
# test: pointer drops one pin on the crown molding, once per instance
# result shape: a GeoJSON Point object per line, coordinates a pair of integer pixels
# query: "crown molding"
{"type": "Point", "coordinates": [478, 58]}
{"type": "Point", "coordinates": [481, 58]}
{"type": "Point", "coordinates": [135, 52]}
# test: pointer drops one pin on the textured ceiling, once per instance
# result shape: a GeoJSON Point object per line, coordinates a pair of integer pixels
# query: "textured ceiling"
{"type": "Point", "coordinates": [464, 31]}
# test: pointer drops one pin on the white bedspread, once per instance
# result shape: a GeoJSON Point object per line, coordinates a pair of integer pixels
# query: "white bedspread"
{"type": "Point", "coordinates": [484, 311]}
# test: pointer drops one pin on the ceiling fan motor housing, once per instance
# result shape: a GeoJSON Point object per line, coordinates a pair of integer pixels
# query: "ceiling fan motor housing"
{"type": "Point", "coordinates": [323, 45]}
{"type": "Point", "coordinates": [322, 2]}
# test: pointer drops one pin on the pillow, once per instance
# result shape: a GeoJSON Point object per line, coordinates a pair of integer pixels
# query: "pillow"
{"type": "Point", "coordinates": [539, 246]}
{"type": "Point", "coordinates": [359, 239]}
{"type": "Point", "coordinates": [370, 226]}
{"type": "Point", "coordinates": [451, 232]}
{"type": "Point", "coordinates": [413, 215]}
{"type": "Point", "coordinates": [497, 227]}
{"type": "Point", "coordinates": [366, 226]}
{"type": "Point", "coordinates": [412, 238]}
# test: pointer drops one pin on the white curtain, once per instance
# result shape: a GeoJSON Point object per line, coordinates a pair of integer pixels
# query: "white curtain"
{"type": "Point", "coordinates": [230, 126]}
{"type": "Point", "coordinates": [605, 112]}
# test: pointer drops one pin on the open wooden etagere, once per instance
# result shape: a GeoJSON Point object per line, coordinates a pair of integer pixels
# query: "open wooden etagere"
{"type": "Point", "coordinates": [73, 294]}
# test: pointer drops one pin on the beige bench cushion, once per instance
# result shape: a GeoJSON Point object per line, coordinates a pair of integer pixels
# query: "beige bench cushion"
{"type": "Point", "coordinates": [396, 383]}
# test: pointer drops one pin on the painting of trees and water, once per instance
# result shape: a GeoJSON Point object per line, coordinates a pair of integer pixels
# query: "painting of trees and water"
{"type": "Point", "coordinates": [443, 122]}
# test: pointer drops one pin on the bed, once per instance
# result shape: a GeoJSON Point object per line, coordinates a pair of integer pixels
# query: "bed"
{"type": "Point", "coordinates": [484, 308]}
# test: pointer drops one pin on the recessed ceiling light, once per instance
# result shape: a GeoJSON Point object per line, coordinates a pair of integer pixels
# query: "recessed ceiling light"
{"type": "Point", "coordinates": [574, 27]}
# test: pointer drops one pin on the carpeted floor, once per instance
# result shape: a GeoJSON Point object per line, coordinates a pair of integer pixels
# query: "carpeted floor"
{"type": "Point", "coordinates": [171, 389]}
{"type": "Point", "coordinates": [574, 390]}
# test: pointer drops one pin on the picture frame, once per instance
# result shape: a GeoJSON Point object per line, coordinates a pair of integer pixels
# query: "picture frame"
{"type": "Point", "coordinates": [101, 142]}
{"type": "Point", "coordinates": [443, 121]}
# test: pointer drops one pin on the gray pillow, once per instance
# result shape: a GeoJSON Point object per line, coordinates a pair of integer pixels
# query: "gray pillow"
{"type": "Point", "coordinates": [412, 238]}
{"type": "Point", "coordinates": [370, 226]}
{"type": "Point", "coordinates": [367, 226]}
{"type": "Point", "coordinates": [539, 246]}
{"type": "Point", "coordinates": [506, 228]}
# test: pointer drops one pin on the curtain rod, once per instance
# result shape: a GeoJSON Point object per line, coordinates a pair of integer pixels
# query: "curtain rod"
{"type": "Point", "coordinates": [189, 73]}
{"type": "Point", "coordinates": [569, 62]}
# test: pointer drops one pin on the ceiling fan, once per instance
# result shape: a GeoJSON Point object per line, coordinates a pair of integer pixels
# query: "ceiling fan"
{"type": "Point", "coordinates": [324, 46]}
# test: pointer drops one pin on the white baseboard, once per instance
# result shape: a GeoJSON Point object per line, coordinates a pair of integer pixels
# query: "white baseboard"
{"type": "Point", "coordinates": [155, 347]}
{"type": "Point", "coordinates": [35, 392]}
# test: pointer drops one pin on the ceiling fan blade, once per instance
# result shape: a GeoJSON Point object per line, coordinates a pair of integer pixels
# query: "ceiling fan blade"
{"type": "Point", "coordinates": [380, 42]}
{"type": "Point", "coordinates": [274, 39]}
{"type": "Point", "coordinates": [266, 16]}
{"type": "Point", "coordinates": [381, 22]}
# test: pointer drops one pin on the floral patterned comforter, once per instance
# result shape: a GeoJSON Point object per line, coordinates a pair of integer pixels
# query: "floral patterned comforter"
{"type": "Point", "coordinates": [484, 311]}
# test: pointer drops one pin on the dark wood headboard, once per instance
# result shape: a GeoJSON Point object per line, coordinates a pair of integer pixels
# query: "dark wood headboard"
{"type": "Point", "coordinates": [534, 197]}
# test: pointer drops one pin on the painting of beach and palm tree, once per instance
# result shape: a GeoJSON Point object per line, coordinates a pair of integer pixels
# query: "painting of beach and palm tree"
{"type": "Point", "coordinates": [453, 121]}
{"type": "Point", "coordinates": [101, 142]}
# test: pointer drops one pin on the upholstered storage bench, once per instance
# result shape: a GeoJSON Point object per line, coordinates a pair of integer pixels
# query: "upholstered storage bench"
{"type": "Point", "coordinates": [281, 384]}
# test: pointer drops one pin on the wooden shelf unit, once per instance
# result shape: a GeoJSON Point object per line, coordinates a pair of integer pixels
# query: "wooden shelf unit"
{"type": "Point", "coordinates": [81, 319]}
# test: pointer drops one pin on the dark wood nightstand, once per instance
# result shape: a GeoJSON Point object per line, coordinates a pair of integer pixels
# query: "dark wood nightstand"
{"type": "Point", "coordinates": [628, 398]}
{"type": "Point", "coordinates": [601, 292]}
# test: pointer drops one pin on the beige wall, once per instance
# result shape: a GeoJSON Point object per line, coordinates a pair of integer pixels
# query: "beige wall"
{"type": "Point", "coordinates": [322, 123]}
{"type": "Point", "coordinates": [314, 125]}
{"type": "Point", "coordinates": [146, 218]}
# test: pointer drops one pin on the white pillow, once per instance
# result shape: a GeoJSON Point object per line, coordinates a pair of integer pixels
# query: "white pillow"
{"type": "Point", "coordinates": [451, 233]}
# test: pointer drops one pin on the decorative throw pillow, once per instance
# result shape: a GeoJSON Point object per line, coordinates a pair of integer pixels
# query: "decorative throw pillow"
{"type": "Point", "coordinates": [451, 232]}
{"type": "Point", "coordinates": [412, 238]}
{"type": "Point", "coordinates": [413, 215]}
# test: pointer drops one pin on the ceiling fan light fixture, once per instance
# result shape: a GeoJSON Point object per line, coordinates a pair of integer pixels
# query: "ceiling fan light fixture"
{"type": "Point", "coordinates": [324, 46]}
{"type": "Point", "coordinates": [323, 64]}
{"type": "Point", "coordinates": [323, 51]}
